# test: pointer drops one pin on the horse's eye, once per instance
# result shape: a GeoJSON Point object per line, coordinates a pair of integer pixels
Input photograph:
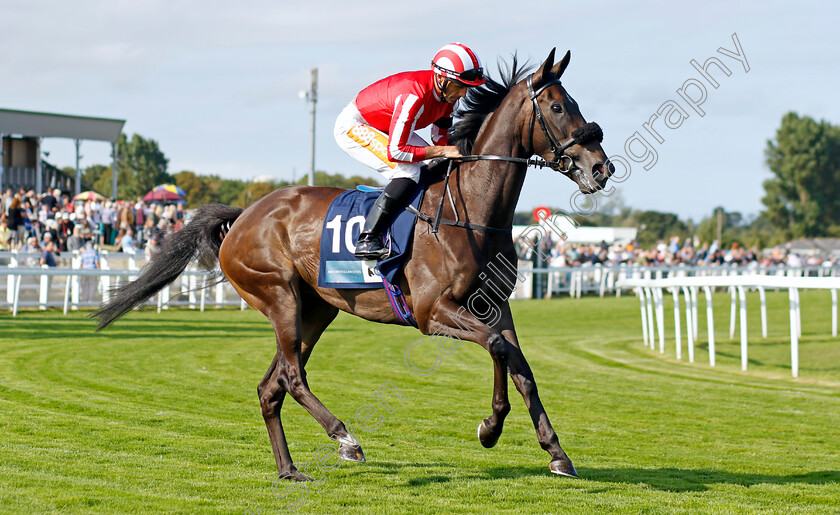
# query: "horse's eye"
{"type": "Point", "coordinates": [557, 108]}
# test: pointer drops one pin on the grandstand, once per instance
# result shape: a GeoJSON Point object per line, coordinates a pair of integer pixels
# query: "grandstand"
{"type": "Point", "coordinates": [21, 132]}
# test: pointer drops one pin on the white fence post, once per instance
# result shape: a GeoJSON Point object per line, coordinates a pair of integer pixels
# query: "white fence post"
{"type": "Point", "coordinates": [689, 324]}
{"type": "Point", "coordinates": [794, 331]}
{"type": "Point", "coordinates": [660, 318]}
{"type": "Point", "coordinates": [203, 292]}
{"type": "Point", "coordinates": [10, 281]}
{"type": "Point", "coordinates": [651, 332]}
{"type": "Point", "coordinates": [677, 284]}
{"type": "Point", "coordinates": [549, 281]}
{"type": "Point", "coordinates": [75, 264]}
{"type": "Point", "coordinates": [743, 297]}
{"type": "Point", "coordinates": [105, 280]}
{"type": "Point", "coordinates": [710, 324]}
{"type": "Point", "coordinates": [43, 295]}
{"type": "Point", "coordinates": [641, 293]}
{"type": "Point", "coordinates": [693, 290]}
{"type": "Point", "coordinates": [763, 297]}
{"type": "Point", "coordinates": [732, 313]}
{"type": "Point", "coordinates": [67, 284]}
{"type": "Point", "coordinates": [675, 292]}
{"type": "Point", "coordinates": [18, 278]}
{"type": "Point", "coordinates": [220, 295]}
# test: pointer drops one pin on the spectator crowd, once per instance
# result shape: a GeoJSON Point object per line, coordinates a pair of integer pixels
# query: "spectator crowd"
{"type": "Point", "coordinates": [671, 253]}
{"type": "Point", "coordinates": [53, 222]}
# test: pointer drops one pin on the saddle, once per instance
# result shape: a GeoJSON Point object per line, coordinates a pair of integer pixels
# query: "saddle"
{"type": "Point", "coordinates": [338, 267]}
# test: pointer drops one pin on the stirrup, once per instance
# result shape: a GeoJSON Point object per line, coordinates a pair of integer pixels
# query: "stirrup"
{"type": "Point", "coordinates": [371, 248]}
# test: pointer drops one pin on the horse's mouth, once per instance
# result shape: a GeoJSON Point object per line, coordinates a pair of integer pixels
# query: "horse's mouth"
{"type": "Point", "coordinates": [587, 184]}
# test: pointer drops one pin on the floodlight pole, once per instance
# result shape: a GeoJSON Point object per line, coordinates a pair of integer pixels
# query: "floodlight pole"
{"type": "Point", "coordinates": [78, 171]}
{"type": "Point", "coordinates": [114, 171]}
{"type": "Point", "coordinates": [39, 176]}
{"type": "Point", "coordinates": [2, 161]}
{"type": "Point", "coordinates": [313, 98]}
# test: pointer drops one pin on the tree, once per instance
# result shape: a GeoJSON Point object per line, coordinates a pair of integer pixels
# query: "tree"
{"type": "Point", "coordinates": [93, 174]}
{"type": "Point", "coordinates": [142, 166]}
{"type": "Point", "coordinates": [339, 181]}
{"type": "Point", "coordinates": [655, 226]}
{"type": "Point", "coordinates": [801, 197]}
{"type": "Point", "coordinates": [196, 188]}
{"type": "Point", "coordinates": [253, 192]}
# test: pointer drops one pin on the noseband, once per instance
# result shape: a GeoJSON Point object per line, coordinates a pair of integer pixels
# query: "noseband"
{"type": "Point", "coordinates": [582, 135]}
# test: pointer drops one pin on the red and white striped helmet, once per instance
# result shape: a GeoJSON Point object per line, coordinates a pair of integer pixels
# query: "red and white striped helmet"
{"type": "Point", "coordinates": [458, 62]}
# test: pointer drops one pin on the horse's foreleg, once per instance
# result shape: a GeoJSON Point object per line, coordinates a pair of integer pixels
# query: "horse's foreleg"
{"type": "Point", "coordinates": [523, 378]}
{"type": "Point", "coordinates": [500, 341]}
{"type": "Point", "coordinates": [449, 319]}
{"type": "Point", "coordinates": [491, 427]}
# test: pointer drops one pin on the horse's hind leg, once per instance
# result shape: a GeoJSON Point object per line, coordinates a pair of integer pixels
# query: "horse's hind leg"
{"type": "Point", "coordinates": [271, 395]}
{"type": "Point", "coordinates": [297, 313]}
{"type": "Point", "coordinates": [316, 315]}
{"type": "Point", "coordinates": [271, 392]}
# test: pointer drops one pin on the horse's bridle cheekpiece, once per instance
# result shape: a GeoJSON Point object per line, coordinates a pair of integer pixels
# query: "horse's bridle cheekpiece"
{"type": "Point", "coordinates": [582, 135]}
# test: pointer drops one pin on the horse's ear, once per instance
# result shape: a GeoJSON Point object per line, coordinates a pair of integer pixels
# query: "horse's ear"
{"type": "Point", "coordinates": [543, 73]}
{"type": "Point", "coordinates": [560, 67]}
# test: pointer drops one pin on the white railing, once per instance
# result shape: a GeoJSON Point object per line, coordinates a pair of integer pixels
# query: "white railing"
{"type": "Point", "coordinates": [650, 293]}
{"type": "Point", "coordinates": [577, 281]}
{"type": "Point", "coordinates": [72, 287]}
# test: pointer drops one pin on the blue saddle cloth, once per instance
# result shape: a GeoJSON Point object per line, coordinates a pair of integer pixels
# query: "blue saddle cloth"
{"type": "Point", "coordinates": [339, 268]}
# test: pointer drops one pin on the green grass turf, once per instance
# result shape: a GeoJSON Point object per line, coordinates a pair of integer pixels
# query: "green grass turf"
{"type": "Point", "coordinates": [159, 413]}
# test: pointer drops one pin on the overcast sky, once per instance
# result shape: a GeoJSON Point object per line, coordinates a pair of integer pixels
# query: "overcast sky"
{"type": "Point", "coordinates": [216, 83]}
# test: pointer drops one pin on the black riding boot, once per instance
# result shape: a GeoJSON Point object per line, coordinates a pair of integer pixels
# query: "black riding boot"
{"type": "Point", "coordinates": [384, 210]}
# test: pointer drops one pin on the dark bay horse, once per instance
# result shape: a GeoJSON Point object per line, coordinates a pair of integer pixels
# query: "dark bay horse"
{"type": "Point", "coordinates": [269, 253]}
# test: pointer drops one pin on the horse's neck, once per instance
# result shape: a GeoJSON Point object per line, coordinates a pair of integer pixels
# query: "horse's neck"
{"type": "Point", "coordinates": [490, 189]}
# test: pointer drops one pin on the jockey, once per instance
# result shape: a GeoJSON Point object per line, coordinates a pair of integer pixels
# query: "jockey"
{"type": "Point", "coordinates": [378, 129]}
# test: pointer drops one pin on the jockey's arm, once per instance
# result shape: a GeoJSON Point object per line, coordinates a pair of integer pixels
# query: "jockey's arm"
{"type": "Point", "coordinates": [440, 139]}
{"type": "Point", "coordinates": [449, 151]}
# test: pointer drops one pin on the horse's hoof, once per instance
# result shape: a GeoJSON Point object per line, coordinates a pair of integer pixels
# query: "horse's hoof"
{"type": "Point", "coordinates": [563, 467]}
{"type": "Point", "coordinates": [294, 475]}
{"type": "Point", "coordinates": [351, 453]}
{"type": "Point", "coordinates": [486, 437]}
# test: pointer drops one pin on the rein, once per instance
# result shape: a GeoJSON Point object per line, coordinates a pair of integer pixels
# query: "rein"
{"type": "Point", "coordinates": [584, 134]}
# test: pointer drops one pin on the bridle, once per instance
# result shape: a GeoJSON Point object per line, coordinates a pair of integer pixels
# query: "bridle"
{"type": "Point", "coordinates": [584, 134]}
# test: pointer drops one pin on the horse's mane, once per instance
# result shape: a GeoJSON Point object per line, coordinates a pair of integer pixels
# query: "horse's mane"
{"type": "Point", "coordinates": [481, 101]}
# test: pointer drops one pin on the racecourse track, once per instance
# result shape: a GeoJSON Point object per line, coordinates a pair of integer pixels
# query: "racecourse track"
{"type": "Point", "coordinates": [159, 413]}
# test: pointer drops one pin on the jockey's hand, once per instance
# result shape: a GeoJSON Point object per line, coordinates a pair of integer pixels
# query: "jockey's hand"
{"type": "Point", "coordinates": [448, 151]}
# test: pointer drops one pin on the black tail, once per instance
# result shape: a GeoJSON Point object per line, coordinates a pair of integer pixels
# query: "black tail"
{"type": "Point", "coordinates": [200, 238]}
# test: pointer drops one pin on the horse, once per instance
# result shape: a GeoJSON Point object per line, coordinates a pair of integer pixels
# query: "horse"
{"type": "Point", "coordinates": [269, 252]}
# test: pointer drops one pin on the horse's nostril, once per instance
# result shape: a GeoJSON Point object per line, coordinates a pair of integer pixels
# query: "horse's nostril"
{"type": "Point", "coordinates": [602, 171]}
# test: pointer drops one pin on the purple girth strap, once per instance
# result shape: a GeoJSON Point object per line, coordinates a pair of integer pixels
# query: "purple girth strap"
{"type": "Point", "coordinates": [398, 302]}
